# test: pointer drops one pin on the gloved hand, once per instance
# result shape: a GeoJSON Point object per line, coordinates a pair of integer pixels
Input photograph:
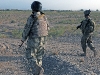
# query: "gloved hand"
{"type": "Point", "coordinates": [78, 27]}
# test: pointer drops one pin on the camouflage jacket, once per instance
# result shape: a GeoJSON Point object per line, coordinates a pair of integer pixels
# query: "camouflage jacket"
{"type": "Point", "coordinates": [33, 29]}
{"type": "Point", "coordinates": [87, 26]}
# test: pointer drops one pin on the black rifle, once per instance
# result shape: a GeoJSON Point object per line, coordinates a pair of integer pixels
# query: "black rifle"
{"type": "Point", "coordinates": [21, 44]}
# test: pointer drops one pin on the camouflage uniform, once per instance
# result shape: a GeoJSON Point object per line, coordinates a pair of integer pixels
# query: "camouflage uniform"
{"type": "Point", "coordinates": [87, 28]}
{"type": "Point", "coordinates": [37, 36]}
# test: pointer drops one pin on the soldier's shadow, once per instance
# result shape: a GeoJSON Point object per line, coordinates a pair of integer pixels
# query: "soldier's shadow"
{"type": "Point", "coordinates": [54, 66]}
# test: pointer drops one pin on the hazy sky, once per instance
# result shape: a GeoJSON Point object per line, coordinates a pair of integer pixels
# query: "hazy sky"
{"type": "Point", "coordinates": [52, 4]}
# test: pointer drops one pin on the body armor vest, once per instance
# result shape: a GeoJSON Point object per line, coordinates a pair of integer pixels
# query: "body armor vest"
{"type": "Point", "coordinates": [39, 27]}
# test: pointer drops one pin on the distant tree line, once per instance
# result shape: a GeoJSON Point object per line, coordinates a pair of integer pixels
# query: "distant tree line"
{"type": "Point", "coordinates": [44, 10]}
{"type": "Point", "coordinates": [11, 10]}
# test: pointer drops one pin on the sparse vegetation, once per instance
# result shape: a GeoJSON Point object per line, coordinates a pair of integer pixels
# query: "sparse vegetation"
{"type": "Point", "coordinates": [62, 50]}
{"type": "Point", "coordinates": [60, 21]}
{"type": "Point", "coordinates": [16, 33]}
{"type": "Point", "coordinates": [57, 31]}
{"type": "Point", "coordinates": [3, 36]}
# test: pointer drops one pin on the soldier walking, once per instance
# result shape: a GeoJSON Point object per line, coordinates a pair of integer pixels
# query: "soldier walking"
{"type": "Point", "coordinates": [35, 32]}
{"type": "Point", "coordinates": [87, 28]}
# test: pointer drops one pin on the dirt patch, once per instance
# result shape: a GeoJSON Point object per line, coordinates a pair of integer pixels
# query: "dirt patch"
{"type": "Point", "coordinates": [62, 57]}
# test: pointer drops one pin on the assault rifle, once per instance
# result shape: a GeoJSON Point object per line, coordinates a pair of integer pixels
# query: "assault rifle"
{"type": "Point", "coordinates": [77, 28]}
{"type": "Point", "coordinates": [86, 25]}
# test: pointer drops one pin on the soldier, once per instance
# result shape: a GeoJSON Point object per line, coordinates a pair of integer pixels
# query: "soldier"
{"type": "Point", "coordinates": [35, 32]}
{"type": "Point", "coordinates": [87, 28]}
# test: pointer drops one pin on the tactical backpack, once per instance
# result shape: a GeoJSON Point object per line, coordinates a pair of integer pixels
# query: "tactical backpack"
{"type": "Point", "coordinates": [91, 28]}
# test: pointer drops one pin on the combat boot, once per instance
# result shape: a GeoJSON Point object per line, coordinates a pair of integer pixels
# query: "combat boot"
{"type": "Point", "coordinates": [95, 53]}
{"type": "Point", "coordinates": [83, 54]}
{"type": "Point", "coordinates": [41, 71]}
{"type": "Point", "coordinates": [38, 70]}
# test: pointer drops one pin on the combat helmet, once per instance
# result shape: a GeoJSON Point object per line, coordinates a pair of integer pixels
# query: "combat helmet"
{"type": "Point", "coordinates": [87, 12]}
{"type": "Point", "coordinates": [36, 6]}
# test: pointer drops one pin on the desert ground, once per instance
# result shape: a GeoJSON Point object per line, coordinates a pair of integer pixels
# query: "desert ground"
{"type": "Point", "coordinates": [63, 49]}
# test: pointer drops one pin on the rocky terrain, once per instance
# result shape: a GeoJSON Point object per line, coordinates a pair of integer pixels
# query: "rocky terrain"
{"type": "Point", "coordinates": [62, 54]}
{"type": "Point", "coordinates": [62, 57]}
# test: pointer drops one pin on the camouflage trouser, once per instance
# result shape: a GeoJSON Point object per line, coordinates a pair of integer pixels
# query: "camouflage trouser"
{"type": "Point", "coordinates": [87, 41]}
{"type": "Point", "coordinates": [35, 50]}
